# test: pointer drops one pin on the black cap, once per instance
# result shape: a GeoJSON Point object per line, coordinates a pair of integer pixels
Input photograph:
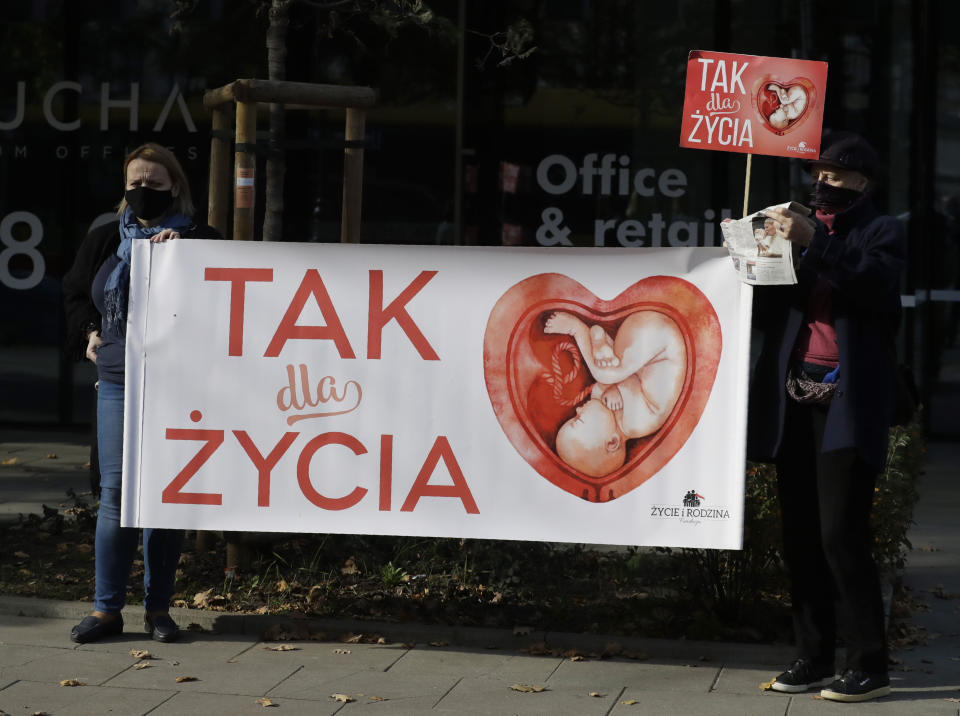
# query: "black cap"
{"type": "Point", "coordinates": [847, 150]}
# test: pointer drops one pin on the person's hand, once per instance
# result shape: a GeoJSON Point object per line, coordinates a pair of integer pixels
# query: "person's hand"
{"type": "Point", "coordinates": [791, 225]}
{"type": "Point", "coordinates": [164, 236]}
{"type": "Point", "coordinates": [93, 343]}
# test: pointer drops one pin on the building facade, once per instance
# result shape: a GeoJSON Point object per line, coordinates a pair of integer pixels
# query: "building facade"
{"type": "Point", "coordinates": [536, 122]}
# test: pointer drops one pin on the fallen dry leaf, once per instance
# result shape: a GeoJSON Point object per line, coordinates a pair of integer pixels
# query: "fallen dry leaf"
{"type": "Point", "coordinates": [341, 651]}
{"type": "Point", "coordinates": [341, 697]}
{"type": "Point", "coordinates": [438, 643]}
{"type": "Point", "coordinates": [10, 462]}
{"type": "Point", "coordinates": [576, 657]}
{"type": "Point", "coordinates": [381, 640]}
{"type": "Point", "coordinates": [351, 638]}
{"type": "Point", "coordinates": [630, 702]}
{"type": "Point", "coordinates": [282, 647]}
{"type": "Point", "coordinates": [767, 685]}
{"type": "Point", "coordinates": [202, 599]}
{"type": "Point", "coordinates": [140, 654]}
{"type": "Point", "coordinates": [378, 698]}
{"type": "Point", "coordinates": [141, 665]}
{"type": "Point", "coordinates": [614, 648]}
{"type": "Point", "coordinates": [265, 702]}
{"type": "Point", "coordinates": [50, 456]}
{"type": "Point", "coordinates": [596, 694]}
{"type": "Point", "coordinates": [349, 567]}
{"type": "Point", "coordinates": [529, 688]}
{"type": "Point", "coordinates": [816, 697]}
{"type": "Point", "coordinates": [72, 682]}
{"type": "Point", "coordinates": [282, 586]}
{"type": "Point", "coordinates": [540, 648]}
{"type": "Point", "coordinates": [181, 679]}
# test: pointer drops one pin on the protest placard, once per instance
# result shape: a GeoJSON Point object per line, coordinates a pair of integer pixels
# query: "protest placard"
{"type": "Point", "coordinates": [753, 105]}
{"type": "Point", "coordinates": [583, 395]}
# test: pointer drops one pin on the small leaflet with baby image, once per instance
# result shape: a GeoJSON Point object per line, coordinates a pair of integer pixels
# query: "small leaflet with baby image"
{"type": "Point", "coordinates": [761, 256]}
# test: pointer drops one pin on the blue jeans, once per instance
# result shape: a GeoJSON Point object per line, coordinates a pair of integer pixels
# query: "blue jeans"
{"type": "Point", "coordinates": [116, 546]}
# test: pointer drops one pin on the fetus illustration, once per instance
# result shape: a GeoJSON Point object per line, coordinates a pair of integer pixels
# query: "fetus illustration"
{"type": "Point", "coordinates": [598, 394]}
{"type": "Point", "coordinates": [792, 103]}
{"type": "Point", "coordinates": [638, 374]}
{"type": "Point", "coordinates": [782, 106]}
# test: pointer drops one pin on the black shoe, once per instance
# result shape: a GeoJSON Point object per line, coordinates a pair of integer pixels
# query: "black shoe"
{"type": "Point", "coordinates": [801, 675]}
{"type": "Point", "coordinates": [92, 629]}
{"type": "Point", "coordinates": [161, 627]}
{"type": "Point", "coordinates": [857, 686]}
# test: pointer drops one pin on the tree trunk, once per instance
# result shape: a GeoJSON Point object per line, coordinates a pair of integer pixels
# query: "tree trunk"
{"type": "Point", "coordinates": [276, 160]}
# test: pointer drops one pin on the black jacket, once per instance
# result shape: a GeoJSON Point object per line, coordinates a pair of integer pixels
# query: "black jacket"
{"type": "Point", "coordinates": [862, 261]}
{"type": "Point", "coordinates": [81, 315]}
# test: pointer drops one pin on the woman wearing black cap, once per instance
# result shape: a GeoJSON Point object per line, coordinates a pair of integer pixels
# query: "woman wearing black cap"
{"type": "Point", "coordinates": [821, 402]}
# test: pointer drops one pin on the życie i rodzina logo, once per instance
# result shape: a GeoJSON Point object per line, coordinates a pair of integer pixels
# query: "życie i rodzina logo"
{"type": "Point", "coordinates": [691, 510]}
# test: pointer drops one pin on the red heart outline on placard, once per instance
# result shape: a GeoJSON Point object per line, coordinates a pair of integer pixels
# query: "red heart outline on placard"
{"type": "Point", "coordinates": [517, 353]}
{"type": "Point", "coordinates": [765, 101]}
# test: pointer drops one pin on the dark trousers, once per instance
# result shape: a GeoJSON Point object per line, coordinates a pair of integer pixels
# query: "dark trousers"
{"type": "Point", "coordinates": [825, 500]}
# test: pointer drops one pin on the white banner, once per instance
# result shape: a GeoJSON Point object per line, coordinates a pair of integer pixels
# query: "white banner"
{"type": "Point", "coordinates": [575, 395]}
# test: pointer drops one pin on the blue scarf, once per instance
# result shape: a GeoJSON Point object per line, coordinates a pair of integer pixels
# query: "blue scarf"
{"type": "Point", "coordinates": [116, 290]}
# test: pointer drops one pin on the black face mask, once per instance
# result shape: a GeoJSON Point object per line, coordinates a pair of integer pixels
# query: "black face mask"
{"type": "Point", "coordinates": [827, 196]}
{"type": "Point", "coordinates": [147, 203]}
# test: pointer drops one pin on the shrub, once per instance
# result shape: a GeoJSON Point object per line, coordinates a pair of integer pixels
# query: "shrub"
{"type": "Point", "coordinates": [895, 496]}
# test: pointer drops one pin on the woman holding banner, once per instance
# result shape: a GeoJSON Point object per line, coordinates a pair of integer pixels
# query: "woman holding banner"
{"type": "Point", "coordinates": [156, 206]}
{"type": "Point", "coordinates": [821, 402]}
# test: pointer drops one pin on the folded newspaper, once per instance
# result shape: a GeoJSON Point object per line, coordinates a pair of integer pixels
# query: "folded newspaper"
{"type": "Point", "coordinates": [760, 255]}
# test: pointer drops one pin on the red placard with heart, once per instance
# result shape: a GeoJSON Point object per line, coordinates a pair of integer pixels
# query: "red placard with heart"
{"type": "Point", "coordinates": [536, 380]}
{"type": "Point", "coordinates": [753, 105]}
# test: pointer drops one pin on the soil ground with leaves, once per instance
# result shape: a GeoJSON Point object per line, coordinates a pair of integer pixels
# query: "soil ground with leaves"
{"type": "Point", "coordinates": [490, 583]}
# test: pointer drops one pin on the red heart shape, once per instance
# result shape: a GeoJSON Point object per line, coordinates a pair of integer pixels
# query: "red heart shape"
{"type": "Point", "coordinates": [520, 359]}
{"type": "Point", "coordinates": [783, 105]}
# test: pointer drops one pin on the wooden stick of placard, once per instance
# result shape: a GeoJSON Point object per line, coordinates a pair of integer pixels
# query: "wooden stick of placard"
{"type": "Point", "coordinates": [746, 185]}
